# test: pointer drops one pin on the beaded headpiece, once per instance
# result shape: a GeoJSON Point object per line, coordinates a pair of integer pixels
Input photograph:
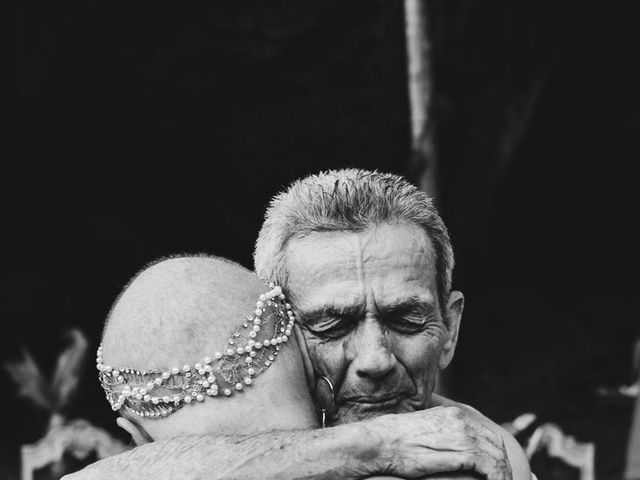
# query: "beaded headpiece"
{"type": "Point", "coordinates": [159, 392]}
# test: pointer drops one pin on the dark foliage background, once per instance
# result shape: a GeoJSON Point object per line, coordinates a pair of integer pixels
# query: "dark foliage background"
{"type": "Point", "coordinates": [140, 129]}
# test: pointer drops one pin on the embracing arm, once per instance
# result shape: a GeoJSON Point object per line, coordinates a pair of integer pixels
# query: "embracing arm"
{"type": "Point", "coordinates": [316, 454]}
{"type": "Point", "coordinates": [411, 445]}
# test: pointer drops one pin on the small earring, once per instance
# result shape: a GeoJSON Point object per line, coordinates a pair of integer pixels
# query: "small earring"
{"type": "Point", "coordinates": [323, 411]}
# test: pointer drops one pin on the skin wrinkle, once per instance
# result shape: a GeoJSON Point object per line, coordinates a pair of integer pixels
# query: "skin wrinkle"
{"type": "Point", "coordinates": [390, 263]}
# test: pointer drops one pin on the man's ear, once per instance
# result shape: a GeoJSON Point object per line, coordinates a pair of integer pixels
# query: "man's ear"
{"type": "Point", "coordinates": [309, 372]}
{"type": "Point", "coordinates": [138, 434]}
{"type": "Point", "coordinates": [453, 316]}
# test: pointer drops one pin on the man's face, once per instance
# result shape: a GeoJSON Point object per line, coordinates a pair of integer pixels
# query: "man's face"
{"type": "Point", "coordinates": [373, 322]}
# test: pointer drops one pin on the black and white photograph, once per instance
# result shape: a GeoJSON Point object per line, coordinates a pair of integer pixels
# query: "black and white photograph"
{"type": "Point", "coordinates": [321, 240]}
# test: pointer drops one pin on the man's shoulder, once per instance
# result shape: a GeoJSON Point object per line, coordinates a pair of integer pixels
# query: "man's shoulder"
{"type": "Point", "coordinates": [517, 457]}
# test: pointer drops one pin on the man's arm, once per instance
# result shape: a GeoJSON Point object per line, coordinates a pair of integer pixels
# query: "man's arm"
{"type": "Point", "coordinates": [410, 445]}
{"type": "Point", "coordinates": [517, 458]}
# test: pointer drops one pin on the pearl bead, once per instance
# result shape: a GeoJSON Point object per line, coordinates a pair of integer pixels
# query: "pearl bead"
{"type": "Point", "coordinates": [200, 397]}
{"type": "Point", "coordinates": [285, 338]}
{"type": "Point", "coordinates": [176, 398]}
{"type": "Point", "coordinates": [248, 360]}
{"type": "Point", "coordinates": [175, 370]}
{"type": "Point", "coordinates": [258, 312]}
{"type": "Point", "coordinates": [166, 399]}
{"type": "Point", "coordinates": [263, 297]}
{"type": "Point", "coordinates": [253, 334]}
{"type": "Point", "coordinates": [260, 304]}
{"type": "Point", "coordinates": [239, 386]}
{"type": "Point", "coordinates": [211, 379]}
{"type": "Point", "coordinates": [198, 366]}
{"type": "Point", "coordinates": [258, 345]}
{"type": "Point", "coordinates": [287, 332]}
{"type": "Point", "coordinates": [186, 368]}
{"type": "Point", "coordinates": [256, 328]}
{"type": "Point", "coordinates": [240, 350]}
{"type": "Point", "coordinates": [251, 371]}
{"type": "Point", "coordinates": [146, 398]}
{"type": "Point", "coordinates": [227, 392]}
{"type": "Point", "coordinates": [201, 371]}
{"type": "Point", "coordinates": [187, 399]}
{"type": "Point", "coordinates": [205, 384]}
{"type": "Point", "coordinates": [155, 400]}
{"type": "Point", "coordinates": [218, 355]}
{"type": "Point", "coordinates": [252, 354]}
{"type": "Point", "coordinates": [158, 381]}
{"type": "Point", "coordinates": [230, 352]}
{"type": "Point", "coordinates": [267, 342]}
{"type": "Point", "coordinates": [248, 381]}
{"type": "Point", "coordinates": [165, 375]}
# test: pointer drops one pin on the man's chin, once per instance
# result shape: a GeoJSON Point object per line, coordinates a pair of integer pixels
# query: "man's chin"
{"type": "Point", "coordinates": [352, 411]}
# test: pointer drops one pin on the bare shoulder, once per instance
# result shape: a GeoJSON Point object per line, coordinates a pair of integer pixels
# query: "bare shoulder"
{"type": "Point", "coordinates": [517, 457]}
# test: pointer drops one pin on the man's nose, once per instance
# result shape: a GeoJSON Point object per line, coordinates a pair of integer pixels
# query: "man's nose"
{"type": "Point", "coordinates": [372, 357]}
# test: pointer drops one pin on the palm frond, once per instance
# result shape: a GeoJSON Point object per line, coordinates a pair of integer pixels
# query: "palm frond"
{"type": "Point", "coordinates": [30, 381]}
{"type": "Point", "coordinates": [69, 368]}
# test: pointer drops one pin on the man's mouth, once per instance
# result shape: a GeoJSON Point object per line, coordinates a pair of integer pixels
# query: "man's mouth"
{"type": "Point", "coordinates": [375, 402]}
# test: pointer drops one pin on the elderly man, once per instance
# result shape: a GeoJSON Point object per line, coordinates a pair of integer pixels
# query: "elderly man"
{"type": "Point", "coordinates": [367, 263]}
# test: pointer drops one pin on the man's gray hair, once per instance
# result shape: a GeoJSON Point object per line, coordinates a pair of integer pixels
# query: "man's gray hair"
{"type": "Point", "coordinates": [348, 200]}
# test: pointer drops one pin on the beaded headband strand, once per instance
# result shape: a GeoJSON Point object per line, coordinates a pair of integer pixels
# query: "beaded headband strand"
{"type": "Point", "coordinates": [160, 392]}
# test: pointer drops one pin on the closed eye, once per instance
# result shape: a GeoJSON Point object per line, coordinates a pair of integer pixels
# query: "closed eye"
{"type": "Point", "coordinates": [331, 322]}
{"type": "Point", "coordinates": [409, 318]}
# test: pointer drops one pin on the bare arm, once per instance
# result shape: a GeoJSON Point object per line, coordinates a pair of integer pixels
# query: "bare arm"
{"type": "Point", "coordinates": [409, 445]}
{"type": "Point", "coordinates": [314, 454]}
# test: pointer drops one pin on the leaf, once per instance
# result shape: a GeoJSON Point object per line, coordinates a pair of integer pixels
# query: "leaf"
{"type": "Point", "coordinates": [31, 384]}
{"type": "Point", "coordinates": [69, 368]}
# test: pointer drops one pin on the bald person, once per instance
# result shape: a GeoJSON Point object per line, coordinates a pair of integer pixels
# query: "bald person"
{"type": "Point", "coordinates": [187, 318]}
{"type": "Point", "coordinates": [200, 347]}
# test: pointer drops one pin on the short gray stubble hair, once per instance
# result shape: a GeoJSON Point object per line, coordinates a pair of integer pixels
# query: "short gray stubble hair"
{"type": "Point", "coordinates": [348, 200]}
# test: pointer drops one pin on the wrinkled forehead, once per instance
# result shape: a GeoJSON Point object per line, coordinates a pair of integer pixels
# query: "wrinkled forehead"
{"type": "Point", "coordinates": [384, 263]}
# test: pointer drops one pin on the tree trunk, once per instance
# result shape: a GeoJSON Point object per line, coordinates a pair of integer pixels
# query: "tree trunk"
{"type": "Point", "coordinates": [423, 164]}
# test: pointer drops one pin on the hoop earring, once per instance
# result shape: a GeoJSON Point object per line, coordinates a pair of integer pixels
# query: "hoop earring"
{"type": "Point", "coordinates": [323, 411]}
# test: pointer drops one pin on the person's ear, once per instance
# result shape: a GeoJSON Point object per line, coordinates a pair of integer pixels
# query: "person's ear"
{"type": "Point", "coordinates": [138, 434]}
{"type": "Point", "coordinates": [453, 316]}
{"type": "Point", "coordinates": [309, 372]}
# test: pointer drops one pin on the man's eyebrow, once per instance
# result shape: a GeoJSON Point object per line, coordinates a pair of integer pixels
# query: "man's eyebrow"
{"type": "Point", "coordinates": [334, 311]}
{"type": "Point", "coordinates": [407, 305]}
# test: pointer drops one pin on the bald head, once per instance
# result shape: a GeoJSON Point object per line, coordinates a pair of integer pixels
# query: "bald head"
{"type": "Point", "coordinates": [181, 310]}
{"type": "Point", "coordinates": [178, 311]}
